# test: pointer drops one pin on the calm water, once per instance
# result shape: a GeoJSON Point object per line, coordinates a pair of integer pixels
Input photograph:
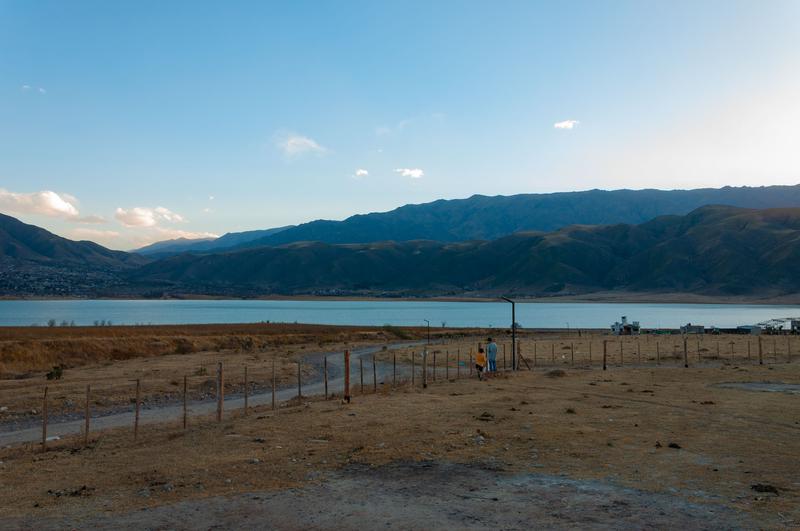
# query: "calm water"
{"type": "Point", "coordinates": [484, 314]}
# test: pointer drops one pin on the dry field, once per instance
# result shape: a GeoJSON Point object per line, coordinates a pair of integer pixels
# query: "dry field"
{"type": "Point", "coordinates": [644, 444]}
{"type": "Point", "coordinates": [659, 430]}
{"type": "Point", "coordinates": [110, 359]}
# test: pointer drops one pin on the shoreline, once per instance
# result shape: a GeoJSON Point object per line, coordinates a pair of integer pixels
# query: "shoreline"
{"type": "Point", "coordinates": [607, 297]}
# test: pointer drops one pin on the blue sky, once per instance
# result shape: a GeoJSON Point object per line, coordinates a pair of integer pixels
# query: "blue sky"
{"type": "Point", "coordinates": [131, 122]}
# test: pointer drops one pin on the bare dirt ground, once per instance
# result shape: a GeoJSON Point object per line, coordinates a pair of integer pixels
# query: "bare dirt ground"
{"type": "Point", "coordinates": [634, 446]}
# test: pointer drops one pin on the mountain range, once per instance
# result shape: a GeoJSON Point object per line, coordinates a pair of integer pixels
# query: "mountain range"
{"type": "Point", "coordinates": [717, 250]}
{"type": "Point", "coordinates": [487, 218]}
{"type": "Point", "coordinates": [714, 250]}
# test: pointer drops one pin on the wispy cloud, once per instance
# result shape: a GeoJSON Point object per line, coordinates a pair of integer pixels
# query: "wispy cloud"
{"type": "Point", "coordinates": [146, 217]}
{"type": "Point", "coordinates": [360, 173]}
{"type": "Point", "coordinates": [400, 126]}
{"type": "Point", "coordinates": [293, 145]}
{"type": "Point", "coordinates": [103, 237]}
{"type": "Point", "coordinates": [566, 124]}
{"type": "Point", "coordinates": [97, 220]}
{"type": "Point", "coordinates": [172, 234]}
{"type": "Point", "coordinates": [44, 203]}
{"type": "Point", "coordinates": [29, 88]}
{"type": "Point", "coordinates": [414, 173]}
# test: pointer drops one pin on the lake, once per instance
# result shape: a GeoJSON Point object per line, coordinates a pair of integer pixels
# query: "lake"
{"type": "Point", "coordinates": [377, 313]}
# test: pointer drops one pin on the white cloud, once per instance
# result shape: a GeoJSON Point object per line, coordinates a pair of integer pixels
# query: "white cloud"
{"type": "Point", "coordinates": [44, 203]}
{"type": "Point", "coordinates": [25, 87]}
{"type": "Point", "coordinates": [566, 124]}
{"type": "Point", "coordinates": [294, 145]}
{"type": "Point", "coordinates": [360, 173]}
{"type": "Point", "coordinates": [414, 173]}
{"type": "Point", "coordinates": [42, 91]}
{"type": "Point", "coordinates": [146, 217]}
{"type": "Point", "coordinates": [172, 234]}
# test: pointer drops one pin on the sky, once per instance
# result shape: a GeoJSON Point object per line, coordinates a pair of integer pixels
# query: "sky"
{"type": "Point", "coordinates": [131, 122]}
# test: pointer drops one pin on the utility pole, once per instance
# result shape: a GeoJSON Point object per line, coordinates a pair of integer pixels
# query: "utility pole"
{"type": "Point", "coordinates": [513, 333]}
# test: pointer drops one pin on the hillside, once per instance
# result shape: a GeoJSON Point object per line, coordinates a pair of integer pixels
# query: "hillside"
{"type": "Point", "coordinates": [713, 250]}
{"type": "Point", "coordinates": [34, 261]}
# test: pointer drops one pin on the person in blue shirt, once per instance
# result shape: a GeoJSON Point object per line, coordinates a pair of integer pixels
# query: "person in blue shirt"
{"type": "Point", "coordinates": [491, 350]}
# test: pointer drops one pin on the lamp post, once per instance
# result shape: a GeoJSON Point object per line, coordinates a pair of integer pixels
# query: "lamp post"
{"type": "Point", "coordinates": [513, 333]}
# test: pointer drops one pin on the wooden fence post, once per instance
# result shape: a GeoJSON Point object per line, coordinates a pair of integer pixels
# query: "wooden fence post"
{"type": "Point", "coordinates": [605, 354]}
{"type": "Point", "coordinates": [639, 350]}
{"type": "Point", "coordinates": [553, 353]}
{"type": "Point", "coordinates": [748, 349]}
{"type": "Point", "coordinates": [447, 365]}
{"type": "Point", "coordinates": [775, 349]}
{"type": "Point", "coordinates": [299, 381]}
{"type": "Point", "coordinates": [458, 364]}
{"type": "Point", "coordinates": [220, 392]}
{"type": "Point", "coordinates": [184, 402]}
{"type": "Point", "coordinates": [325, 374]}
{"type": "Point", "coordinates": [347, 376]}
{"type": "Point", "coordinates": [44, 420]}
{"type": "Point", "coordinates": [718, 354]}
{"type": "Point", "coordinates": [425, 369]}
{"type": "Point", "coordinates": [246, 391]}
{"type": "Point", "coordinates": [274, 380]}
{"type": "Point", "coordinates": [394, 369]}
{"type": "Point", "coordinates": [621, 358]}
{"type": "Point", "coordinates": [686, 353]}
{"type": "Point", "coordinates": [760, 352]}
{"type": "Point", "coordinates": [788, 349]}
{"type": "Point", "coordinates": [136, 411]}
{"type": "Point", "coordinates": [590, 351]}
{"type": "Point", "coordinates": [361, 369]}
{"type": "Point", "coordinates": [86, 415]}
{"type": "Point", "coordinates": [471, 365]}
{"type": "Point", "coordinates": [434, 365]}
{"type": "Point", "coordinates": [572, 353]}
{"type": "Point", "coordinates": [658, 353]}
{"type": "Point", "coordinates": [374, 376]}
{"type": "Point", "coordinates": [504, 358]}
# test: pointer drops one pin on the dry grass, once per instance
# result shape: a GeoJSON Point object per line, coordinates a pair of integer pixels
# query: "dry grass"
{"type": "Point", "coordinates": [620, 429]}
{"type": "Point", "coordinates": [110, 359]}
{"type": "Point", "coordinates": [28, 350]}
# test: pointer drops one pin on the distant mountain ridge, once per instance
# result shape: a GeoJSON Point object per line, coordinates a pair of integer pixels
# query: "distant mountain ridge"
{"type": "Point", "coordinates": [487, 218]}
{"type": "Point", "coordinates": [713, 250]}
{"type": "Point", "coordinates": [181, 245]}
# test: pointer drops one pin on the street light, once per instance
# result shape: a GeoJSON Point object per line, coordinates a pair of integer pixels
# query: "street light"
{"type": "Point", "coordinates": [513, 333]}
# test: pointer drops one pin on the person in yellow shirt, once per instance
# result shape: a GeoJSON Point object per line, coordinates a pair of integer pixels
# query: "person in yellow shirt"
{"type": "Point", "coordinates": [480, 363]}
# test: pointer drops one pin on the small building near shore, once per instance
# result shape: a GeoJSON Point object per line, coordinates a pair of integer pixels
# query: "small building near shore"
{"type": "Point", "coordinates": [625, 328]}
{"type": "Point", "coordinates": [689, 328]}
{"type": "Point", "coordinates": [753, 330]}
